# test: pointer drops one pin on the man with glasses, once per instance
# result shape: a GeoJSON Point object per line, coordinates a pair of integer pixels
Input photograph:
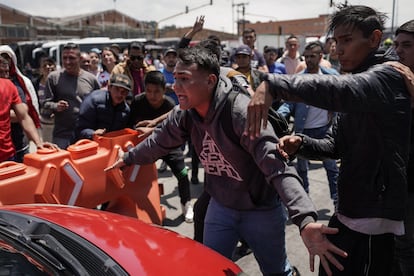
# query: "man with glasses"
{"type": "Point", "coordinates": [64, 92]}
{"type": "Point", "coordinates": [135, 68]}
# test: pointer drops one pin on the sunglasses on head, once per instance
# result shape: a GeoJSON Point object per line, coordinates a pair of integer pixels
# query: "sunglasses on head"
{"type": "Point", "coordinates": [136, 57]}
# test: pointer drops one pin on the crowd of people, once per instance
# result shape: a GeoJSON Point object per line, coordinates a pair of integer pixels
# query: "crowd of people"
{"type": "Point", "coordinates": [348, 99]}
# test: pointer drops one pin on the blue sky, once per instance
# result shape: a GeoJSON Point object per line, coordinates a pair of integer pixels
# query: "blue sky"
{"type": "Point", "coordinates": [219, 16]}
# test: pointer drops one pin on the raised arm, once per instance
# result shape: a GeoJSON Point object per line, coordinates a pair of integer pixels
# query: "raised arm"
{"type": "Point", "coordinates": [197, 27]}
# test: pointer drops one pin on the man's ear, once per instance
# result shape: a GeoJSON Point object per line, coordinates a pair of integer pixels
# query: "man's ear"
{"type": "Point", "coordinates": [375, 38]}
{"type": "Point", "coordinates": [212, 81]}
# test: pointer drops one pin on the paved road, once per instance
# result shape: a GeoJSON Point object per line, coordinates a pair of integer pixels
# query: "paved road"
{"type": "Point", "coordinates": [297, 253]}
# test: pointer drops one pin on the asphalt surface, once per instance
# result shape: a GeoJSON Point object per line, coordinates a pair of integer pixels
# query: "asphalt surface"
{"type": "Point", "coordinates": [296, 251]}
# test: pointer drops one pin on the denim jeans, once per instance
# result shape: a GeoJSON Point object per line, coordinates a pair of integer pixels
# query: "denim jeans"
{"type": "Point", "coordinates": [263, 230]}
{"type": "Point", "coordinates": [330, 166]}
{"type": "Point", "coordinates": [62, 143]}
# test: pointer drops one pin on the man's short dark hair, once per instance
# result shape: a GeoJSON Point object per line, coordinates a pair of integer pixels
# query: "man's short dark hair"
{"type": "Point", "coordinates": [314, 44]}
{"type": "Point", "coordinates": [200, 56]}
{"type": "Point", "coordinates": [48, 60]}
{"type": "Point", "coordinates": [361, 17]}
{"type": "Point", "coordinates": [136, 45]}
{"type": "Point", "coordinates": [215, 38]}
{"type": "Point", "coordinates": [71, 46]}
{"type": "Point", "coordinates": [249, 31]}
{"type": "Point", "coordinates": [213, 46]}
{"type": "Point", "coordinates": [407, 27]}
{"type": "Point", "coordinates": [329, 39]}
{"type": "Point", "coordinates": [292, 36]}
{"type": "Point", "coordinates": [156, 78]}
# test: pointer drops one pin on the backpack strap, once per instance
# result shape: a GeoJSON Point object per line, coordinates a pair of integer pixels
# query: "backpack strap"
{"type": "Point", "coordinates": [226, 118]}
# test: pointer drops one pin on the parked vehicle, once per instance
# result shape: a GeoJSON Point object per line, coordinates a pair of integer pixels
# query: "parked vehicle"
{"type": "Point", "coordinates": [65, 240]}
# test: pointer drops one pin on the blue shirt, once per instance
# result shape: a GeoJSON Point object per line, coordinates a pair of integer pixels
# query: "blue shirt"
{"type": "Point", "coordinates": [277, 68]}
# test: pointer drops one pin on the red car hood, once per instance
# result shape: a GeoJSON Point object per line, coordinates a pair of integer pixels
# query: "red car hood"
{"type": "Point", "coordinates": [141, 249]}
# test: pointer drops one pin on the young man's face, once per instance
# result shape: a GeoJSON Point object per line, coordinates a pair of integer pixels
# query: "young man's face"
{"type": "Point", "coordinates": [352, 47]}
{"type": "Point", "coordinates": [136, 59]}
{"type": "Point", "coordinates": [312, 59]}
{"type": "Point", "coordinates": [170, 59]}
{"type": "Point", "coordinates": [404, 47]}
{"type": "Point", "coordinates": [192, 87]}
{"type": "Point", "coordinates": [249, 39]}
{"type": "Point", "coordinates": [118, 94]}
{"type": "Point", "coordinates": [85, 61]}
{"type": "Point", "coordinates": [270, 57]}
{"type": "Point", "coordinates": [154, 94]}
{"type": "Point", "coordinates": [71, 61]}
{"type": "Point", "coordinates": [4, 70]}
{"type": "Point", "coordinates": [292, 46]}
{"type": "Point", "coordinates": [243, 61]}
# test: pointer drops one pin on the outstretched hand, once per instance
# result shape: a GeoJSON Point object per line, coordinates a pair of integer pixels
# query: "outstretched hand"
{"type": "Point", "coordinates": [314, 238]}
{"type": "Point", "coordinates": [146, 123]}
{"type": "Point", "coordinates": [119, 161]}
{"type": "Point", "coordinates": [257, 110]}
{"type": "Point", "coordinates": [144, 131]}
{"type": "Point", "coordinates": [289, 145]}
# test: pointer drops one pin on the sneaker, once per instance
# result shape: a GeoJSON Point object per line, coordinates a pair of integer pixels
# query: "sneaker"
{"type": "Point", "coordinates": [188, 212]}
{"type": "Point", "coordinates": [295, 271]}
{"type": "Point", "coordinates": [163, 167]}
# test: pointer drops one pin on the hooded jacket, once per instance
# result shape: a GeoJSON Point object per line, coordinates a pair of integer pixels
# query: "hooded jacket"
{"type": "Point", "coordinates": [27, 86]}
{"type": "Point", "coordinates": [370, 136]}
{"type": "Point", "coordinates": [249, 175]}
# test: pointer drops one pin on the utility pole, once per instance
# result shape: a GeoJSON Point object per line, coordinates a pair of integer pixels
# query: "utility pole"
{"type": "Point", "coordinates": [393, 17]}
{"type": "Point", "coordinates": [240, 8]}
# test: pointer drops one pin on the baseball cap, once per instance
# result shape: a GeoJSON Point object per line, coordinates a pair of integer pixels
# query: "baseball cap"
{"type": "Point", "coordinates": [170, 50]}
{"type": "Point", "coordinates": [121, 80]}
{"type": "Point", "coordinates": [244, 50]}
{"type": "Point", "coordinates": [271, 49]}
{"type": "Point", "coordinates": [95, 50]}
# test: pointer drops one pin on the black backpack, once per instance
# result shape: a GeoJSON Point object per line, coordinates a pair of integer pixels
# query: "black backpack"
{"type": "Point", "coordinates": [278, 122]}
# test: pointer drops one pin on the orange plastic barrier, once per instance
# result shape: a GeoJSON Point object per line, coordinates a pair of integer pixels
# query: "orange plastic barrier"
{"type": "Point", "coordinates": [76, 177]}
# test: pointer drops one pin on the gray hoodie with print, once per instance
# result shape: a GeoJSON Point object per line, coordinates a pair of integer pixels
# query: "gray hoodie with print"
{"type": "Point", "coordinates": [249, 175]}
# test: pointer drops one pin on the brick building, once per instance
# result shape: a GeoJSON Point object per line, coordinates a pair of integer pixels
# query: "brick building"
{"type": "Point", "coordinates": [18, 26]}
{"type": "Point", "coordinates": [307, 27]}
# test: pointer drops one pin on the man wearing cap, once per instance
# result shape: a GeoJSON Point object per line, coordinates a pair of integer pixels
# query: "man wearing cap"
{"type": "Point", "coordinates": [170, 59]}
{"type": "Point", "coordinates": [243, 57]}
{"type": "Point", "coordinates": [271, 54]}
{"type": "Point", "coordinates": [134, 67]}
{"type": "Point", "coordinates": [105, 110]}
{"type": "Point", "coordinates": [257, 59]}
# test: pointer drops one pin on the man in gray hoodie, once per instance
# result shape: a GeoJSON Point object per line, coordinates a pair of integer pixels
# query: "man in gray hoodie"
{"type": "Point", "coordinates": [247, 179]}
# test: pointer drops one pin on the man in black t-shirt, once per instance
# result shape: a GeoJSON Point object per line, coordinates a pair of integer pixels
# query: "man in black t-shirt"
{"type": "Point", "coordinates": [145, 109]}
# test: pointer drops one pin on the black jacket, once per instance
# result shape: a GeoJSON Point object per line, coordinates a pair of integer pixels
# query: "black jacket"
{"type": "Point", "coordinates": [370, 136]}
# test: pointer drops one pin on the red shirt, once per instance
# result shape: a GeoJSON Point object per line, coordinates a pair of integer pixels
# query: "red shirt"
{"type": "Point", "coordinates": [8, 97]}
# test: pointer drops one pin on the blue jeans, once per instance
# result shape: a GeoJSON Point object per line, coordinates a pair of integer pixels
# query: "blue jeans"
{"type": "Point", "coordinates": [62, 143]}
{"type": "Point", "coordinates": [263, 230]}
{"type": "Point", "coordinates": [330, 166]}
